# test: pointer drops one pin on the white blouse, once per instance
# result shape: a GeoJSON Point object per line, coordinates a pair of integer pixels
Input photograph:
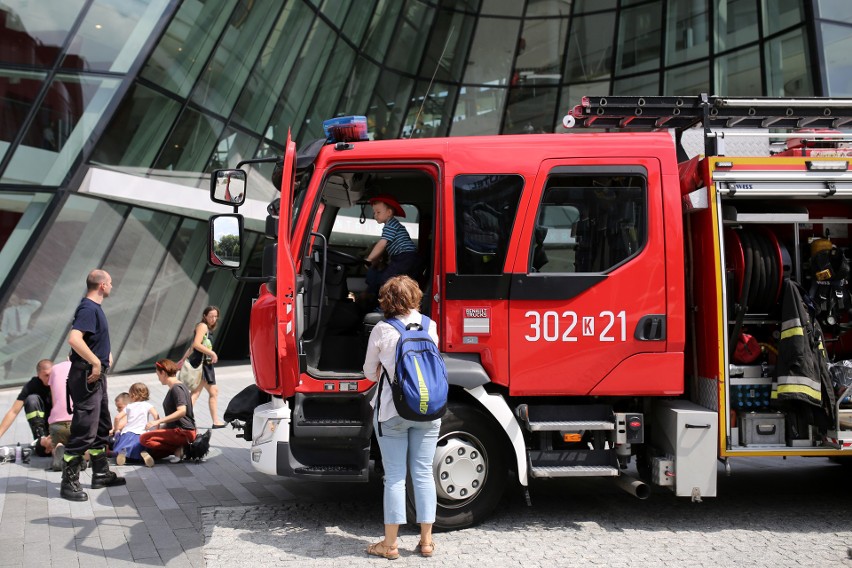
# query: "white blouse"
{"type": "Point", "coordinates": [381, 352]}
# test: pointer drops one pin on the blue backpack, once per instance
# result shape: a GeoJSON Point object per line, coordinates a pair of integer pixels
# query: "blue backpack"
{"type": "Point", "coordinates": [419, 386]}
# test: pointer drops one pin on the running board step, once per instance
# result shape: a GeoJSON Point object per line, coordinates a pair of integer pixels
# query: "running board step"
{"type": "Point", "coordinates": [573, 463]}
{"type": "Point", "coordinates": [575, 418]}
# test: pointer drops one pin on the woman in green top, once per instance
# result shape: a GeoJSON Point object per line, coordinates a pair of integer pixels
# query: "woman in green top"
{"type": "Point", "coordinates": [202, 352]}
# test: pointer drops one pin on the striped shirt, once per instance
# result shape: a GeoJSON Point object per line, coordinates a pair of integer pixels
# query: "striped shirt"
{"type": "Point", "coordinates": [397, 237]}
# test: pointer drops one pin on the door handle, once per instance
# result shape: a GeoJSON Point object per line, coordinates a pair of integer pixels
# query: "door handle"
{"type": "Point", "coordinates": [651, 327]}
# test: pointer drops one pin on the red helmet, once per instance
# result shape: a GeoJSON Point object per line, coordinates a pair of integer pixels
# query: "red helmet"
{"type": "Point", "coordinates": [398, 211]}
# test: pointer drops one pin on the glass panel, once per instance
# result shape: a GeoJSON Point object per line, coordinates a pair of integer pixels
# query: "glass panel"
{"type": "Point", "coordinates": [590, 48]}
{"type": "Point", "coordinates": [642, 85]}
{"type": "Point", "coordinates": [549, 8]}
{"type": "Point", "coordinates": [446, 51]}
{"type": "Point", "coordinates": [687, 30]}
{"type": "Point", "coordinates": [690, 80]}
{"type": "Point", "coordinates": [384, 119]}
{"type": "Point", "coordinates": [336, 11]}
{"type": "Point", "coordinates": [738, 74]}
{"type": "Point", "coordinates": [183, 50]}
{"type": "Point", "coordinates": [19, 217]}
{"type": "Point", "coordinates": [501, 8]}
{"type": "Point", "coordinates": [19, 89]}
{"type": "Point", "coordinates": [112, 34]}
{"type": "Point", "coordinates": [583, 6]}
{"type": "Point", "coordinates": [134, 262]}
{"type": "Point", "coordinates": [840, 10]}
{"type": "Point", "coordinates": [406, 50]}
{"type": "Point", "coordinates": [781, 14]}
{"type": "Point", "coordinates": [787, 68]}
{"type": "Point", "coordinates": [149, 116]}
{"type": "Point", "coordinates": [34, 32]}
{"type": "Point", "coordinates": [837, 45]}
{"type": "Point", "coordinates": [356, 22]}
{"type": "Point", "coordinates": [435, 116]}
{"type": "Point", "coordinates": [304, 80]}
{"type": "Point", "coordinates": [63, 124]}
{"type": "Point", "coordinates": [163, 325]}
{"type": "Point", "coordinates": [190, 145]}
{"type": "Point", "coordinates": [486, 206]}
{"type": "Point", "coordinates": [359, 90]}
{"type": "Point", "coordinates": [639, 36]}
{"type": "Point", "coordinates": [490, 59]}
{"type": "Point", "coordinates": [479, 111]}
{"type": "Point", "coordinates": [225, 74]}
{"type": "Point", "coordinates": [540, 52]}
{"type": "Point", "coordinates": [736, 23]}
{"type": "Point", "coordinates": [75, 243]}
{"type": "Point", "coordinates": [571, 96]}
{"type": "Point", "coordinates": [233, 146]}
{"type": "Point", "coordinates": [530, 110]}
{"type": "Point", "coordinates": [382, 28]}
{"type": "Point", "coordinates": [336, 81]}
{"type": "Point", "coordinates": [266, 82]}
{"type": "Point", "coordinates": [567, 236]}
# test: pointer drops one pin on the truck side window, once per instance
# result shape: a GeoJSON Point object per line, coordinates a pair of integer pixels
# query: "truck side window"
{"type": "Point", "coordinates": [588, 223]}
{"type": "Point", "coordinates": [486, 206]}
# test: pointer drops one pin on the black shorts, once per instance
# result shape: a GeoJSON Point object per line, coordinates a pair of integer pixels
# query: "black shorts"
{"type": "Point", "coordinates": [209, 374]}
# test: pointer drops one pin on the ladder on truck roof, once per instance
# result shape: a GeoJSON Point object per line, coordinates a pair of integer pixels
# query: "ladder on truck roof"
{"type": "Point", "coordinates": [681, 113]}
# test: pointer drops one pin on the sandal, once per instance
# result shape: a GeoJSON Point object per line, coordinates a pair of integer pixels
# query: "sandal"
{"type": "Point", "coordinates": [426, 548]}
{"type": "Point", "coordinates": [384, 551]}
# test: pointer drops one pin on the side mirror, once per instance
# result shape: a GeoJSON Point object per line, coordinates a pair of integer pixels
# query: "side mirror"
{"type": "Point", "coordinates": [228, 187]}
{"type": "Point", "coordinates": [225, 241]}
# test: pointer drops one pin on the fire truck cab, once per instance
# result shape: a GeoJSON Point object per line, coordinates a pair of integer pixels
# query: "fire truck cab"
{"type": "Point", "coordinates": [586, 289]}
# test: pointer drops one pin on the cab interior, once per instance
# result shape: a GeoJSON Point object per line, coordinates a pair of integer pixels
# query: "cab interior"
{"type": "Point", "coordinates": [338, 318]}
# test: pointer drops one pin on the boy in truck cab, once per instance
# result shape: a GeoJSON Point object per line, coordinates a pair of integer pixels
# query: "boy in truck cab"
{"type": "Point", "coordinates": [395, 241]}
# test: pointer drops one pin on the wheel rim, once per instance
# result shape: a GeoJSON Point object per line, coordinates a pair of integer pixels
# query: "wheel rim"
{"type": "Point", "coordinates": [460, 468]}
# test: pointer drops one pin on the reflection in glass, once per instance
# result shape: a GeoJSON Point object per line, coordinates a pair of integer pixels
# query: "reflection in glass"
{"type": "Point", "coordinates": [479, 111]}
{"type": "Point", "coordinates": [18, 89]}
{"type": "Point", "coordinates": [492, 52]}
{"type": "Point", "coordinates": [406, 49]}
{"type": "Point", "coordinates": [233, 147]}
{"type": "Point", "coordinates": [571, 97]}
{"type": "Point", "coordinates": [689, 80]}
{"type": "Point", "coordinates": [266, 82]}
{"type": "Point", "coordinates": [34, 32]}
{"type": "Point", "coordinates": [434, 116]}
{"type": "Point", "coordinates": [336, 82]}
{"type": "Point", "coordinates": [639, 37]}
{"type": "Point", "coordinates": [225, 74]}
{"type": "Point", "coordinates": [590, 47]}
{"type": "Point", "coordinates": [63, 124]}
{"type": "Point", "coordinates": [226, 241]}
{"type": "Point", "coordinates": [112, 34]}
{"type": "Point", "coordinates": [183, 50]}
{"type": "Point", "coordinates": [781, 14]}
{"type": "Point", "coordinates": [736, 23]}
{"type": "Point", "coordinates": [381, 28]}
{"type": "Point", "coordinates": [787, 69]}
{"type": "Point", "coordinates": [840, 10]}
{"type": "Point", "coordinates": [501, 8]}
{"type": "Point", "coordinates": [356, 96]}
{"type": "Point", "coordinates": [20, 214]}
{"type": "Point", "coordinates": [640, 85]}
{"type": "Point", "coordinates": [149, 116]}
{"type": "Point", "coordinates": [687, 30]}
{"type": "Point", "coordinates": [530, 110]}
{"type": "Point", "coordinates": [191, 143]}
{"type": "Point", "coordinates": [447, 48]}
{"type": "Point", "coordinates": [837, 46]}
{"type": "Point", "coordinates": [539, 60]}
{"type": "Point", "coordinates": [74, 243]}
{"type": "Point", "coordinates": [550, 8]}
{"type": "Point", "coordinates": [582, 6]}
{"type": "Point", "coordinates": [384, 120]}
{"type": "Point", "coordinates": [738, 74]}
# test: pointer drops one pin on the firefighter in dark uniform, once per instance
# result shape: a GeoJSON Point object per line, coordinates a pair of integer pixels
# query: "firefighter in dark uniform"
{"type": "Point", "coordinates": [91, 356]}
{"type": "Point", "coordinates": [36, 402]}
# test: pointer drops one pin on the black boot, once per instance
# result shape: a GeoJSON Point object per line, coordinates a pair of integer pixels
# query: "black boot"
{"type": "Point", "coordinates": [71, 488]}
{"type": "Point", "coordinates": [101, 475]}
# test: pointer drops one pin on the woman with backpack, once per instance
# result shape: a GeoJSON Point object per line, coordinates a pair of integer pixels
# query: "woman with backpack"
{"type": "Point", "coordinates": [176, 429]}
{"type": "Point", "coordinates": [402, 441]}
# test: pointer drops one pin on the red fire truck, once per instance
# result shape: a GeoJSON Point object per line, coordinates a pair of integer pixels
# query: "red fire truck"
{"type": "Point", "coordinates": [598, 295]}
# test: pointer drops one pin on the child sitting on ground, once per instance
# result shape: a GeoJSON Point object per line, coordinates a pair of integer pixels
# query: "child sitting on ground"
{"type": "Point", "coordinates": [132, 422]}
{"type": "Point", "coordinates": [121, 402]}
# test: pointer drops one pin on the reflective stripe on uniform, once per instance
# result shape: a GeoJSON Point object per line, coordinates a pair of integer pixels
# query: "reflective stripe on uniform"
{"type": "Point", "coordinates": [35, 414]}
{"type": "Point", "coordinates": [793, 331]}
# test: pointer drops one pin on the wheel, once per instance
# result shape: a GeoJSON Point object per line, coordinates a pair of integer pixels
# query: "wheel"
{"type": "Point", "coordinates": [470, 468]}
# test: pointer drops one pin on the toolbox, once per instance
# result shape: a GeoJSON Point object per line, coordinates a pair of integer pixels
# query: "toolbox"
{"type": "Point", "coordinates": [761, 428]}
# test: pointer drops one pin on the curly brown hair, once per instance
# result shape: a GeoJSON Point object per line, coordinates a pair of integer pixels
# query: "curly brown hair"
{"type": "Point", "coordinates": [138, 391]}
{"type": "Point", "coordinates": [398, 296]}
{"type": "Point", "coordinates": [167, 366]}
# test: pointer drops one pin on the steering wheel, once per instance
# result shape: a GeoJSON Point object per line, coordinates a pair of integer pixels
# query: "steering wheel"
{"type": "Point", "coordinates": [344, 258]}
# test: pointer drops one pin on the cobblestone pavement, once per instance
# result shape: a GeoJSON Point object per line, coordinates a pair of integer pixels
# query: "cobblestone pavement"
{"type": "Point", "coordinates": [221, 513]}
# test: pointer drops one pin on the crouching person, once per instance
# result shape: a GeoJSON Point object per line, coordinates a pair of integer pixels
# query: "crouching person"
{"type": "Point", "coordinates": [176, 429]}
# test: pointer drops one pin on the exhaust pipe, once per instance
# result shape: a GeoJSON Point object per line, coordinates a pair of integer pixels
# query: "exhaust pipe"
{"type": "Point", "coordinates": [635, 487]}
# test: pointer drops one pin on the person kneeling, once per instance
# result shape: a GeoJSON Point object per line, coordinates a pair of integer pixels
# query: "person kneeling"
{"type": "Point", "coordinates": [170, 434]}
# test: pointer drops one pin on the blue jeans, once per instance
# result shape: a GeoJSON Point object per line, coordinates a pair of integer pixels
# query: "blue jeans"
{"type": "Point", "coordinates": [412, 442]}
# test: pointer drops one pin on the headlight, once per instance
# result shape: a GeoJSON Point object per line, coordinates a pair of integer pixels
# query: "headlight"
{"type": "Point", "coordinates": [268, 431]}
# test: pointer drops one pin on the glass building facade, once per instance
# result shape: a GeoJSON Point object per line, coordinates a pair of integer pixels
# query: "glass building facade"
{"type": "Point", "coordinates": [115, 111]}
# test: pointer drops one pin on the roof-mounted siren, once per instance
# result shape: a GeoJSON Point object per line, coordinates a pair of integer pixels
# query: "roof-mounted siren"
{"type": "Point", "coordinates": [345, 129]}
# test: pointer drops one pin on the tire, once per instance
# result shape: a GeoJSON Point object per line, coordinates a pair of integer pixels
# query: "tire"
{"type": "Point", "coordinates": [470, 468]}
